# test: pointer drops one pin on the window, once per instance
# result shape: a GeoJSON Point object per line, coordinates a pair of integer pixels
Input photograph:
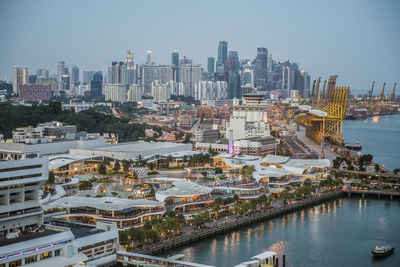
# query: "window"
{"type": "Point", "coordinates": [45, 255]}
{"type": "Point", "coordinates": [30, 259]}
{"type": "Point", "coordinates": [57, 252]}
{"type": "Point", "coordinates": [15, 263]}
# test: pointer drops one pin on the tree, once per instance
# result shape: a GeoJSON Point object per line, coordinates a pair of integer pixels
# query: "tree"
{"type": "Point", "coordinates": [377, 167]}
{"type": "Point", "coordinates": [187, 138]}
{"type": "Point", "coordinates": [170, 159]}
{"type": "Point", "coordinates": [117, 166]}
{"type": "Point", "coordinates": [115, 194]}
{"type": "Point", "coordinates": [126, 164]}
{"type": "Point", "coordinates": [307, 182]}
{"type": "Point", "coordinates": [396, 171]}
{"type": "Point", "coordinates": [171, 214]}
{"type": "Point", "coordinates": [51, 179]}
{"type": "Point", "coordinates": [248, 170]}
{"type": "Point", "coordinates": [216, 210]}
{"type": "Point", "coordinates": [218, 170]}
{"type": "Point", "coordinates": [236, 197]}
{"type": "Point", "coordinates": [102, 168]}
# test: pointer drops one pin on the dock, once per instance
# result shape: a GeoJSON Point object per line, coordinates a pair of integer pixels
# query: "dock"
{"type": "Point", "coordinates": [378, 193]}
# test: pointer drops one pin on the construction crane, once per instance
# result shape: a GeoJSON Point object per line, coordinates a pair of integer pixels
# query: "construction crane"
{"type": "Point", "coordinates": [371, 92]}
{"type": "Point", "coordinates": [394, 91]}
{"type": "Point", "coordinates": [383, 91]}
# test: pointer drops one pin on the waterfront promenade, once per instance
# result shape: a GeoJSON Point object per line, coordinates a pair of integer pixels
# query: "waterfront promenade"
{"type": "Point", "coordinates": [235, 223]}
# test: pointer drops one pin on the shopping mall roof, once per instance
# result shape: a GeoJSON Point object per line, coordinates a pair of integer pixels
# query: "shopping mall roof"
{"type": "Point", "coordinates": [103, 203]}
{"type": "Point", "coordinates": [132, 150]}
{"type": "Point", "coordinates": [58, 161]}
{"type": "Point", "coordinates": [182, 189]}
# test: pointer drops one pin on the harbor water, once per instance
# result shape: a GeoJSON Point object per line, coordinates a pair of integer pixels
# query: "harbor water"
{"type": "Point", "coordinates": [379, 136]}
{"type": "Point", "coordinates": [341, 232]}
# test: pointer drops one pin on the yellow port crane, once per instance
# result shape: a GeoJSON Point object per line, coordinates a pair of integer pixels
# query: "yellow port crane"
{"type": "Point", "coordinates": [393, 93]}
{"type": "Point", "coordinates": [383, 91]}
{"type": "Point", "coordinates": [324, 118]}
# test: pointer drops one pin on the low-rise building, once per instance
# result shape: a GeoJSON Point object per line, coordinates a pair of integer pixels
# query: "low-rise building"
{"type": "Point", "coordinates": [86, 210]}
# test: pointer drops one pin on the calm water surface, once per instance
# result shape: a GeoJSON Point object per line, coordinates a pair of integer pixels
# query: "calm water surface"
{"type": "Point", "coordinates": [337, 233]}
{"type": "Point", "coordinates": [379, 136]}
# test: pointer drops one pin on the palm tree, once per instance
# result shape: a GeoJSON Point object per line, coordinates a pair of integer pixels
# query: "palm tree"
{"type": "Point", "coordinates": [216, 210]}
{"type": "Point", "coordinates": [248, 170]}
{"type": "Point", "coordinates": [169, 160]}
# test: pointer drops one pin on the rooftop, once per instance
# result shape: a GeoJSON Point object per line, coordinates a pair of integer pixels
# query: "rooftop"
{"type": "Point", "coordinates": [103, 203]}
{"type": "Point", "coordinates": [182, 189]}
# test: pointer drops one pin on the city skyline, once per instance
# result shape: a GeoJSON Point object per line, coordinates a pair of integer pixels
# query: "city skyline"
{"type": "Point", "coordinates": [356, 41]}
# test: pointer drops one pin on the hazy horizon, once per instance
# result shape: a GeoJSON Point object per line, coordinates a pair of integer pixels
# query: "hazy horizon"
{"type": "Point", "coordinates": [355, 39]}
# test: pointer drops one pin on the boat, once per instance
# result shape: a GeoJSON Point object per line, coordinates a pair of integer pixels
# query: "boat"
{"type": "Point", "coordinates": [357, 146]}
{"type": "Point", "coordinates": [382, 251]}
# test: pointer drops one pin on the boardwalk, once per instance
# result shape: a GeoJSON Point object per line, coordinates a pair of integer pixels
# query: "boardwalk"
{"type": "Point", "coordinates": [378, 193]}
{"type": "Point", "coordinates": [240, 222]}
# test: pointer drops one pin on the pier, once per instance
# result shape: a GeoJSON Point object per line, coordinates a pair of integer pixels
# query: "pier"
{"type": "Point", "coordinates": [240, 222]}
{"type": "Point", "coordinates": [378, 193]}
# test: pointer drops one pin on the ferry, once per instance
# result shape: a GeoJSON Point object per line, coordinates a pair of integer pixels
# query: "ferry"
{"type": "Point", "coordinates": [382, 251]}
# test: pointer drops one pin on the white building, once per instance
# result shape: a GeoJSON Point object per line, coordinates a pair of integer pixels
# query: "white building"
{"type": "Point", "coordinates": [221, 90]}
{"type": "Point", "coordinates": [135, 93]}
{"type": "Point", "coordinates": [249, 119]}
{"type": "Point", "coordinates": [115, 92]}
{"type": "Point", "coordinates": [161, 92]}
{"type": "Point", "coordinates": [190, 75]}
{"type": "Point", "coordinates": [20, 182]}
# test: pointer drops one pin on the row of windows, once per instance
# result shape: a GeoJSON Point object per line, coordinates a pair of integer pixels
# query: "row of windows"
{"type": "Point", "coordinates": [31, 259]}
{"type": "Point", "coordinates": [21, 168]}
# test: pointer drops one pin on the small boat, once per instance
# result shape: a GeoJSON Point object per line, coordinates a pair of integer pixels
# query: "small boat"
{"type": "Point", "coordinates": [357, 146]}
{"type": "Point", "coordinates": [382, 251]}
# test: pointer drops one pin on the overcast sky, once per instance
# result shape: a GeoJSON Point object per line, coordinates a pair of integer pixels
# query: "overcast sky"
{"type": "Point", "coordinates": [358, 40]}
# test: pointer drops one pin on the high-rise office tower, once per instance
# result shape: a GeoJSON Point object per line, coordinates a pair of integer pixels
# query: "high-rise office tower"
{"type": "Point", "coordinates": [117, 73]}
{"type": "Point", "coordinates": [148, 57]}
{"type": "Point", "coordinates": [210, 65]}
{"type": "Point", "coordinates": [65, 83]}
{"type": "Point", "coordinates": [175, 65]}
{"type": "Point", "coordinates": [20, 77]}
{"type": "Point", "coordinates": [75, 75]}
{"type": "Point", "coordinates": [96, 85]}
{"type": "Point", "coordinates": [175, 58]}
{"type": "Point", "coordinates": [232, 77]}
{"type": "Point", "coordinates": [222, 54]}
{"type": "Point", "coordinates": [234, 90]}
{"type": "Point", "coordinates": [87, 76]}
{"type": "Point", "coordinates": [130, 68]}
{"type": "Point", "coordinates": [42, 73]}
{"type": "Point", "coordinates": [31, 78]}
{"type": "Point", "coordinates": [260, 68]}
{"type": "Point", "coordinates": [60, 70]}
{"type": "Point", "coordinates": [211, 68]}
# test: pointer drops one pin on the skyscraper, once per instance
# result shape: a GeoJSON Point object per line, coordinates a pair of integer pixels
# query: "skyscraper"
{"type": "Point", "coordinates": [75, 75]}
{"type": "Point", "coordinates": [117, 73]}
{"type": "Point", "coordinates": [60, 70]}
{"type": "Point", "coordinates": [42, 73]}
{"type": "Point", "coordinates": [20, 77]}
{"type": "Point", "coordinates": [175, 65]}
{"type": "Point", "coordinates": [130, 68]}
{"type": "Point", "coordinates": [87, 76]}
{"type": "Point", "coordinates": [260, 70]}
{"type": "Point", "coordinates": [148, 57]}
{"type": "Point", "coordinates": [96, 85]}
{"type": "Point", "coordinates": [232, 77]}
{"type": "Point", "coordinates": [222, 55]}
{"type": "Point", "coordinates": [175, 58]}
{"type": "Point", "coordinates": [210, 68]}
